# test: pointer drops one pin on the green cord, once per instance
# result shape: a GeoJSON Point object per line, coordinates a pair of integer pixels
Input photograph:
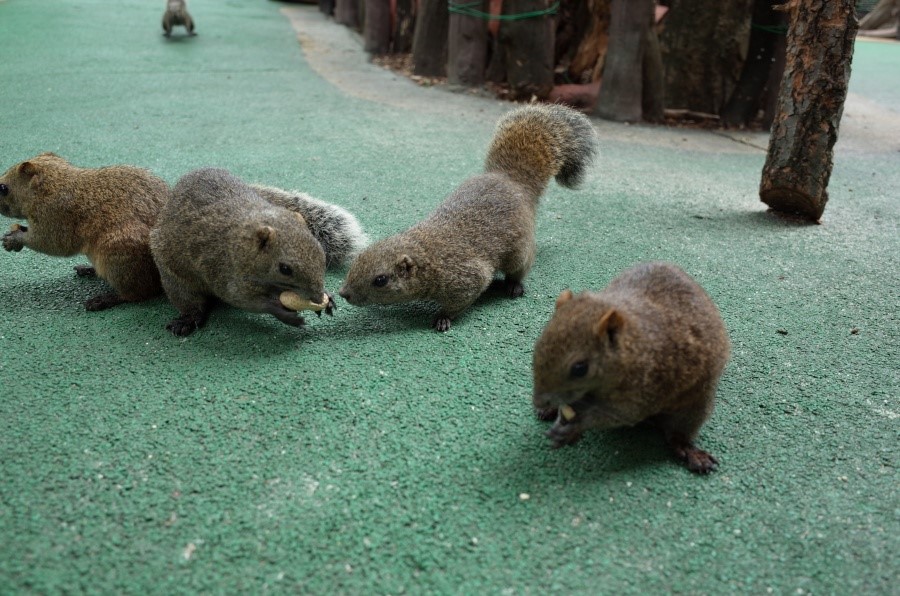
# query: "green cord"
{"type": "Point", "coordinates": [470, 11]}
{"type": "Point", "coordinates": [776, 29]}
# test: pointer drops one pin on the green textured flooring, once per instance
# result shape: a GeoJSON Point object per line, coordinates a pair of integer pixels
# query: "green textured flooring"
{"type": "Point", "coordinates": [368, 454]}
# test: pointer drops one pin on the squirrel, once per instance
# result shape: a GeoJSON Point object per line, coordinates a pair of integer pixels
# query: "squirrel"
{"type": "Point", "coordinates": [177, 14]}
{"type": "Point", "coordinates": [651, 347]}
{"type": "Point", "coordinates": [486, 225]}
{"type": "Point", "coordinates": [218, 237]}
{"type": "Point", "coordinates": [104, 213]}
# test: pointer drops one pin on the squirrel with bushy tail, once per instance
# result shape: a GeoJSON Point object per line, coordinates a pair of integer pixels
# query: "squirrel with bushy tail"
{"type": "Point", "coordinates": [486, 225]}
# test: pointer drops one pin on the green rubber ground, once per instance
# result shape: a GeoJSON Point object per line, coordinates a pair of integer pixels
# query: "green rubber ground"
{"type": "Point", "coordinates": [369, 454]}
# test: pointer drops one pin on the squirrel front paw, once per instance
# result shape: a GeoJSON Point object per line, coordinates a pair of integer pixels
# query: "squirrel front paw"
{"type": "Point", "coordinates": [14, 241]}
{"type": "Point", "coordinates": [329, 306]}
{"type": "Point", "coordinates": [564, 433]}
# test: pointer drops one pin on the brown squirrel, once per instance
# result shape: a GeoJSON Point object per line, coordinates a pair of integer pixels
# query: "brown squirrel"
{"type": "Point", "coordinates": [486, 225]}
{"type": "Point", "coordinates": [104, 213]}
{"type": "Point", "coordinates": [649, 347]}
{"type": "Point", "coordinates": [177, 14]}
{"type": "Point", "coordinates": [221, 238]}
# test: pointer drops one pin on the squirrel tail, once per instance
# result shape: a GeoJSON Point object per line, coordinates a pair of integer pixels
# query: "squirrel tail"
{"type": "Point", "coordinates": [537, 142]}
{"type": "Point", "coordinates": [336, 229]}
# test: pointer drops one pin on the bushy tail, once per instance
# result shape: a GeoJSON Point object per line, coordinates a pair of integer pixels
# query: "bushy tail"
{"type": "Point", "coordinates": [336, 229]}
{"type": "Point", "coordinates": [537, 142]}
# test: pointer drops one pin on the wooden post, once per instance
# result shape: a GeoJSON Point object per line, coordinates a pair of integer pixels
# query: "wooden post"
{"type": "Point", "coordinates": [817, 71]}
{"type": "Point", "coordinates": [766, 30]}
{"type": "Point", "coordinates": [346, 12]}
{"type": "Point", "coordinates": [703, 44]}
{"type": "Point", "coordinates": [327, 6]}
{"type": "Point", "coordinates": [404, 22]}
{"type": "Point", "coordinates": [528, 48]}
{"type": "Point", "coordinates": [377, 27]}
{"type": "Point", "coordinates": [467, 47]}
{"type": "Point", "coordinates": [430, 39]}
{"type": "Point", "coordinates": [621, 89]}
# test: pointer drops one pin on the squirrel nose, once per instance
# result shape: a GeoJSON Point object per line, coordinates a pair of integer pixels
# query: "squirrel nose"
{"type": "Point", "coordinates": [343, 293]}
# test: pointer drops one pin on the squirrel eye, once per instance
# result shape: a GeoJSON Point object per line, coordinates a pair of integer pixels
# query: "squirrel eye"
{"type": "Point", "coordinates": [285, 269]}
{"type": "Point", "coordinates": [579, 369]}
{"type": "Point", "coordinates": [380, 281]}
{"type": "Point", "coordinates": [4, 190]}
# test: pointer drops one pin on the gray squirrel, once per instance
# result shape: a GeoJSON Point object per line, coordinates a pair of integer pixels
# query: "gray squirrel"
{"type": "Point", "coordinates": [486, 225]}
{"type": "Point", "coordinates": [219, 237]}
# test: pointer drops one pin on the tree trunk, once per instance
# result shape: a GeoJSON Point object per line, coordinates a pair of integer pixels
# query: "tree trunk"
{"type": "Point", "coordinates": [377, 28]}
{"type": "Point", "coordinates": [590, 56]}
{"type": "Point", "coordinates": [621, 89]}
{"type": "Point", "coordinates": [653, 89]}
{"type": "Point", "coordinates": [768, 25]}
{"type": "Point", "coordinates": [430, 39]}
{"type": "Point", "coordinates": [819, 51]}
{"type": "Point", "coordinates": [528, 48]}
{"type": "Point", "coordinates": [467, 40]}
{"type": "Point", "coordinates": [703, 45]}
{"type": "Point", "coordinates": [346, 12]}
{"type": "Point", "coordinates": [404, 22]}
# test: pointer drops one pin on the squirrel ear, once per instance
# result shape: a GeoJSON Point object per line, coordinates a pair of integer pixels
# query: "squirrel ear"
{"type": "Point", "coordinates": [563, 297]}
{"type": "Point", "coordinates": [264, 235]}
{"type": "Point", "coordinates": [300, 217]}
{"type": "Point", "coordinates": [405, 266]}
{"type": "Point", "coordinates": [610, 325]}
{"type": "Point", "coordinates": [31, 171]}
{"type": "Point", "coordinates": [27, 168]}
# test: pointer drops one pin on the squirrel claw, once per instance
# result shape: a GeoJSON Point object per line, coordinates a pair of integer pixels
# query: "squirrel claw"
{"type": "Point", "coordinates": [329, 308]}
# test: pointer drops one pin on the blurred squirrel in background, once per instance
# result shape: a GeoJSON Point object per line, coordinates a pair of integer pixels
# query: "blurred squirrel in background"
{"type": "Point", "coordinates": [177, 14]}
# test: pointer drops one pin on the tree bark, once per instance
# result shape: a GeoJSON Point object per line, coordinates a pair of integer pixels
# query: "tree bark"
{"type": "Point", "coordinates": [430, 39]}
{"type": "Point", "coordinates": [621, 90]}
{"type": "Point", "coordinates": [819, 52]}
{"type": "Point", "coordinates": [404, 23]}
{"type": "Point", "coordinates": [467, 41]}
{"type": "Point", "coordinates": [703, 46]}
{"type": "Point", "coordinates": [377, 27]}
{"type": "Point", "coordinates": [528, 49]}
{"type": "Point", "coordinates": [346, 12]}
{"type": "Point", "coordinates": [653, 87]}
{"type": "Point", "coordinates": [767, 27]}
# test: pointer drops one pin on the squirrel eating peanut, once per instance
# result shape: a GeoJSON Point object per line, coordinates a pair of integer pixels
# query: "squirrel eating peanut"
{"type": "Point", "coordinates": [218, 237]}
{"type": "Point", "coordinates": [651, 347]}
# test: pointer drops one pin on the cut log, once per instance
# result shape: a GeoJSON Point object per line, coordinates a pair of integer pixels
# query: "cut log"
{"type": "Point", "coordinates": [404, 22]}
{"type": "Point", "coordinates": [703, 44]}
{"type": "Point", "coordinates": [817, 71]}
{"type": "Point", "coordinates": [768, 28]}
{"type": "Point", "coordinates": [621, 93]}
{"type": "Point", "coordinates": [528, 49]}
{"type": "Point", "coordinates": [377, 27]}
{"type": "Point", "coordinates": [346, 12]}
{"type": "Point", "coordinates": [467, 44]}
{"type": "Point", "coordinates": [430, 39]}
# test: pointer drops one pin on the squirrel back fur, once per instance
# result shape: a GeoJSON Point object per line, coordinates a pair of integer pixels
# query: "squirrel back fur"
{"type": "Point", "coordinates": [486, 225]}
{"type": "Point", "coordinates": [650, 346]}
{"type": "Point", "coordinates": [104, 213]}
{"type": "Point", "coordinates": [218, 238]}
